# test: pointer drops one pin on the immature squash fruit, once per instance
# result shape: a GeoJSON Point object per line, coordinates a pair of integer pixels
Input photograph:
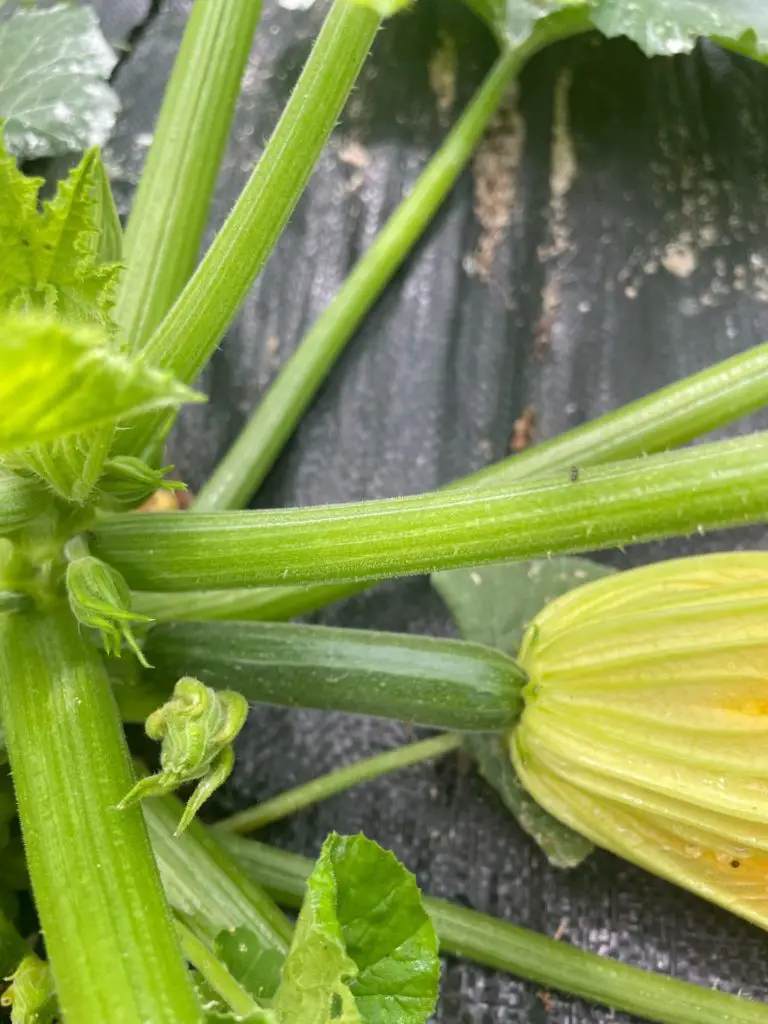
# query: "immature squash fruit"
{"type": "Point", "coordinates": [646, 721]}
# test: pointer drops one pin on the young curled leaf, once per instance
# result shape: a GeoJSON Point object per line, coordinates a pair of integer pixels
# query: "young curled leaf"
{"type": "Point", "coordinates": [63, 256]}
{"type": "Point", "coordinates": [196, 728]}
{"type": "Point", "coordinates": [59, 379]}
{"type": "Point", "coordinates": [100, 599]}
{"type": "Point", "coordinates": [70, 465]}
{"type": "Point", "coordinates": [31, 994]}
{"type": "Point", "coordinates": [128, 482]}
{"type": "Point", "coordinates": [23, 499]}
{"type": "Point", "coordinates": [646, 720]}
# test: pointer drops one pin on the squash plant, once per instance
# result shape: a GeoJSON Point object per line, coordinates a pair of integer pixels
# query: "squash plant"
{"type": "Point", "coordinates": [101, 338]}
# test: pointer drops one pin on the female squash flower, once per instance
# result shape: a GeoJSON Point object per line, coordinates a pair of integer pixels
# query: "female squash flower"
{"type": "Point", "coordinates": [646, 721]}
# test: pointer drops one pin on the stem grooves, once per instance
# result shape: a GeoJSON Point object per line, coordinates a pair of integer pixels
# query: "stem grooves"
{"type": "Point", "coordinates": [95, 881]}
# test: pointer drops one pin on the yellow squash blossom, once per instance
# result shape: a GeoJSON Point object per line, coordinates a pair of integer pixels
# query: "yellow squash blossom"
{"type": "Point", "coordinates": [646, 721]}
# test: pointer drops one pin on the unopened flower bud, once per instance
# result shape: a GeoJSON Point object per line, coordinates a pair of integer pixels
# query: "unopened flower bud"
{"type": "Point", "coordinates": [99, 598]}
{"type": "Point", "coordinates": [196, 728]}
{"type": "Point", "coordinates": [645, 725]}
{"type": "Point", "coordinates": [128, 482]}
{"type": "Point", "coordinates": [31, 994]}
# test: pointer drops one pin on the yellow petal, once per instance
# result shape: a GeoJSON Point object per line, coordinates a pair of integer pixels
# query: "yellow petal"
{"type": "Point", "coordinates": [716, 867]}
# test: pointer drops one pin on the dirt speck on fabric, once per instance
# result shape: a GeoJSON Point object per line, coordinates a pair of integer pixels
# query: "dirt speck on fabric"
{"type": "Point", "coordinates": [562, 173]}
{"type": "Point", "coordinates": [561, 929]}
{"type": "Point", "coordinates": [680, 259]}
{"type": "Point", "coordinates": [550, 306]}
{"type": "Point", "coordinates": [559, 246]}
{"type": "Point", "coordinates": [547, 1000]}
{"type": "Point", "coordinates": [524, 430]}
{"type": "Point", "coordinates": [442, 69]}
{"type": "Point", "coordinates": [495, 171]}
{"type": "Point", "coordinates": [356, 156]}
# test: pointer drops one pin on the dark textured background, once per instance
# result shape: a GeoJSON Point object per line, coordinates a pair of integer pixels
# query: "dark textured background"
{"type": "Point", "coordinates": [628, 242]}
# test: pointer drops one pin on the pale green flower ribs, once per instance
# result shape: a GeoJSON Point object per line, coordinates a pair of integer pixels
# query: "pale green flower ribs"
{"type": "Point", "coordinates": [196, 728]}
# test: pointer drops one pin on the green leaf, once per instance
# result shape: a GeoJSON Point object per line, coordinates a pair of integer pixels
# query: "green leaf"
{"type": "Point", "coordinates": [385, 8]}
{"type": "Point", "coordinates": [71, 465]}
{"type": "Point", "coordinates": [108, 226]}
{"type": "Point", "coordinates": [514, 21]}
{"type": "Point", "coordinates": [59, 379]}
{"type": "Point", "coordinates": [53, 96]}
{"type": "Point", "coordinates": [673, 26]}
{"type": "Point", "coordinates": [18, 224]}
{"type": "Point", "coordinates": [659, 27]}
{"type": "Point", "coordinates": [256, 968]}
{"type": "Point", "coordinates": [563, 847]}
{"type": "Point", "coordinates": [364, 950]}
{"type": "Point", "coordinates": [62, 260]}
{"type": "Point", "coordinates": [55, 260]}
{"type": "Point", "coordinates": [260, 1017]}
{"type": "Point", "coordinates": [493, 605]}
{"type": "Point", "coordinates": [68, 246]}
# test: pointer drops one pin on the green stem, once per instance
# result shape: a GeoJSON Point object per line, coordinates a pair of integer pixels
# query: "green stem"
{"type": "Point", "coordinates": [279, 412]}
{"type": "Point", "coordinates": [545, 961]}
{"type": "Point", "coordinates": [445, 684]}
{"type": "Point", "coordinates": [664, 419]}
{"type": "Point", "coordinates": [325, 786]}
{"type": "Point", "coordinates": [13, 948]}
{"type": "Point", "coordinates": [234, 604]}
{"type": "Point", "coordinates": [108, 931]}
{"type": "Point", "coordinates": [171, 205]}
{"type": "Point", "coordinates": [246, 465]}
{"type": "Point", "coordinates": [204, 884]}
{"type": "Point", "coordinates": [677, 493]}
{"type": "Point", "coordinates": [214, 972]}
{"type": "Point", "coordinates": [189, 334]}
